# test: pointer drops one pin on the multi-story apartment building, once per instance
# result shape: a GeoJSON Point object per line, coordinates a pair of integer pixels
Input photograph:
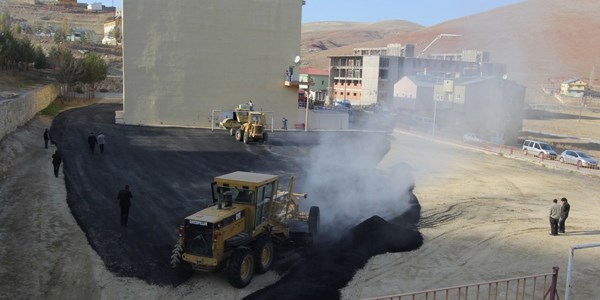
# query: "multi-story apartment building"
{"type": "Point", "coordinates": [368, 76]}
{"type": "Point", "coordinates": [466, 55]}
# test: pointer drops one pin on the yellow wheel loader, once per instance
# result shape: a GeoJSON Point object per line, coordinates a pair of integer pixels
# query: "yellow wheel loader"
{"type": "Point", "coordinates": [246, 125]}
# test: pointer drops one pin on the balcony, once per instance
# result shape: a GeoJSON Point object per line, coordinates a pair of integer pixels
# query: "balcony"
{"type": "Point", "coordinates": [291, 80]}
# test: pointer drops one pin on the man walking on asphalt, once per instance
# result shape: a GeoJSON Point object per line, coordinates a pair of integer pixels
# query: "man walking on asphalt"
{"type": "Point", "coordinates": [124, 197]}
{"type": "Point", "coordinates": [46, 138]}
{"type": "Point", "coordinates": [101, 140]}
{"type": "Point", "coordinates": [564, 214]}
{"type": "Point", "coordinates": [92, 141]}
{"type": "Point", "coordinates": [554, 216]}
{"type": "Point", "coordinates": [56, 161]}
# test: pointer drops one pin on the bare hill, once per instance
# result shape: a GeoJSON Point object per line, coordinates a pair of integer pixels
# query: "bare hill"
{"type": "Point", "coordinates": [318, 37]}
{"type": "Point", "coordinates": [53, 15]}
{"type": "Point", "coordinates": [537, 39]}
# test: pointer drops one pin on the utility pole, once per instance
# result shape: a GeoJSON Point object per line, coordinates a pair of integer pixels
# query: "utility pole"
{"type": "Point", "coordinates": [308, 83]}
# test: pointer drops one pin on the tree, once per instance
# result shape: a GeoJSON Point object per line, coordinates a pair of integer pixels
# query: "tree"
{"type": "Point", "coordinates": [9, 50]}
{"type": "Point", "coordinates": [61, 35]}
{"type": "Point", "coordinates": [69, 69]}
{"type": "Point", "coordinates": [5, 21]}
{"type": "Point", "coordinates": [117, 30]}
{"type": "Point", "coordinates": [94, 71]}
{"type": "Point", "coordinates": [40, 60]}
{"type": "Point", "coordinates": [26, 54]}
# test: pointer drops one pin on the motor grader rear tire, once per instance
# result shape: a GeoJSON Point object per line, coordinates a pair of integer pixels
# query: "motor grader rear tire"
{"type": "Point", "coordinates": [239, 134]}
{"type": "Point", "coordinates": [241, 267]}
{"type": "Point", "coordinates": [232, 131]}
{"type": "Point", "coordinates": [265, 137]}
{"type": "Point", "coordinates": [314, 220]}
{"type": "Point", "coordinates": [263, 255]}
{"type": "Point", "coordinates": [246, 137]}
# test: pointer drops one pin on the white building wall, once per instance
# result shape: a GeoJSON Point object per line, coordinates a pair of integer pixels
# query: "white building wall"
{"type": "Point", "coordinates": [370, 80]}
{"type": "Point", "coordinates": [183, 61]}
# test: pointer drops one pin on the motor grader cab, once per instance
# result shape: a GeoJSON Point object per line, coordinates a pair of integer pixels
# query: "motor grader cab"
{"type": "Point", "coordinates": [237, 232]}
{"type": "Point", "coordinates": [246, 125]}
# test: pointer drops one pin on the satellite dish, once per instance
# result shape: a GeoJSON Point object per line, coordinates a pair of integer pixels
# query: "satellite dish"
{"type": "Point", "coordinates": [504, 76]}
{"type": "Point", "coordinates": [297, 59]}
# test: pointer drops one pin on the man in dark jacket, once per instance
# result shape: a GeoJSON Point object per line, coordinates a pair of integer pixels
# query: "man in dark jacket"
{"type": "Point", "coordinates": [56, 161]}
{"type": "Point", "coordinates": [46, 138]}
{"type": "Point", "coordinates": [124, 197]}
{"type": "Point", "coordinates": [554, 217]}
{"type": "Point", "coordinates": [564, 214]}
{"type": "Point", "coordinates": [92, 141]}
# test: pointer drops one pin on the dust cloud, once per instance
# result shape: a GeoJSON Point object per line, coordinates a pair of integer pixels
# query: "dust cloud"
{"type": "Point", "coordinates": [347, 186]}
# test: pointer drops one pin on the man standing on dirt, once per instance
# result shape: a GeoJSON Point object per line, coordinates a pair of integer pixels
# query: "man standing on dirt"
{"type": "Point", "coordinates": [554, 216]}
{"type": "Point", "coordinates": [92, 141]}
{"type": "Point", "coordinates": [124, 197]}
{"type": "Point", "coordinates": [56, 161]}
{"type": "Point", "coordinates": [46, 138]}
{"type": "Point", "coordinates": [564, 214]}
{"type": "Point", "coordinates": [101, 140]}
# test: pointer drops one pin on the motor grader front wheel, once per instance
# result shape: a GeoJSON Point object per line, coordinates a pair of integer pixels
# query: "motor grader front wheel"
{"type": "Point", "coordinates": [241, 267]}
{"type": "Point", "coordinates": [239, 134]}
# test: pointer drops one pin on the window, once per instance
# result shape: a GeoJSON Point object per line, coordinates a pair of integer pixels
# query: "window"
{"type": "Point", "coordinates": [383, 74]}
{"type": "Point", "coordinates": [354, 95]}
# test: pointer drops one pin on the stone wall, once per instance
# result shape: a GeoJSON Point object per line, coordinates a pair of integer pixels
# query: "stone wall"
{"type": "Point", "coordinates": [16, 112]}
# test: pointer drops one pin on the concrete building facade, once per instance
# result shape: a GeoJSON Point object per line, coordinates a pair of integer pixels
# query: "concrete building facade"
{"type": "Point", "coordinates": [183, 61]}
{"type": "Point", "coordinates": [466, 55]}
{"type": "Point", "coordinates": [318, 80]}
{"type": "Point", "coordinates": [487, 105]}
{"type": "Point", "coordinates": [370, 79]}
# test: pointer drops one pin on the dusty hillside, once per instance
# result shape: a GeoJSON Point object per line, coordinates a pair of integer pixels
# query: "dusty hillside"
{"type": "Point", "coordinates": [340, 37]}
{"type": "Point", "coordinates": [53, 15]}
{"type": "Point", "coordinates": [538, 39]}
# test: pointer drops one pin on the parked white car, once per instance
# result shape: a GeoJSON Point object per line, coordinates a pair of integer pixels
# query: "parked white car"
{"type": "Point", "coordinates": [472, 138]}
{"type": "Point", "coordinates": [538, 149]}
{"type": "Point", "coordinates": [578, 157]}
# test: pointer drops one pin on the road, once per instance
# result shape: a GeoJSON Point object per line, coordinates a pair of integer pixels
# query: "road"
{"type": "Point", "coordinates": [169, 171]}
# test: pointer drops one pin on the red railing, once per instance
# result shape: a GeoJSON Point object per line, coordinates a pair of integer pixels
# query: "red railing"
{"type": "Point", "coordinates": [541, 286]}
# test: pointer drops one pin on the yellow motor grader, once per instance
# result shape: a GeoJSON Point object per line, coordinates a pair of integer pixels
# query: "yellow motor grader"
{"type": "Point", "coordinates": [237, 231]}
{"type": "Point", "coordinates": [246, 125]}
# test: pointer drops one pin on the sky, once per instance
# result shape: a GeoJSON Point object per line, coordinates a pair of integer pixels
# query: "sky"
{"type": "Point", "coordinates": [422, 12]}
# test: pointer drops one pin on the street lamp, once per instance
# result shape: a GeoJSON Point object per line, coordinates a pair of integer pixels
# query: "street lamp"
{"type": "Point", "coordinates": [308, 83]}
{"type": "Point", "coordinates": [435, 101]}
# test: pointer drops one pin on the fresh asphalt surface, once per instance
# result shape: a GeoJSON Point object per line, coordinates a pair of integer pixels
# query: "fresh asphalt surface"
{"type": "Point", "coordinates": [169, 171]}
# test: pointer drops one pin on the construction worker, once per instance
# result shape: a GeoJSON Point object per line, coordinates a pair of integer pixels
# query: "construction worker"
{"type": "Point", "coordinates": [124, 197]}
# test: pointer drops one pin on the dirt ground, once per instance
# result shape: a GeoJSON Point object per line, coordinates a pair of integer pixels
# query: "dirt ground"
{"type": "Point", "coordinates": [485, 217]}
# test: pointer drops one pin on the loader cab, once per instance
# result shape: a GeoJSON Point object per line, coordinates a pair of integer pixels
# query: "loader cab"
{"type": "Point", "coordinates": [252, 191]}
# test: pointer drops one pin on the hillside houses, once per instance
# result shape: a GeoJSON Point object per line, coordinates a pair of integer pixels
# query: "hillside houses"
{"type": "Point", "coordinates": [573, 88]}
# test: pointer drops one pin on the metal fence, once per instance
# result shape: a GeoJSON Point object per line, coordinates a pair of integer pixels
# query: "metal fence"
{"type": "Point", "coordinates": [541, 286]}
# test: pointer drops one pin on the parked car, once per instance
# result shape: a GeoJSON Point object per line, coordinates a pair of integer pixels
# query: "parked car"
{"type": "Point", "coordinates": [575, 157]}
{"type": "Point", "coordinates": [538, 149]}
{"type": "Point", "coordinates": [472, 138]}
